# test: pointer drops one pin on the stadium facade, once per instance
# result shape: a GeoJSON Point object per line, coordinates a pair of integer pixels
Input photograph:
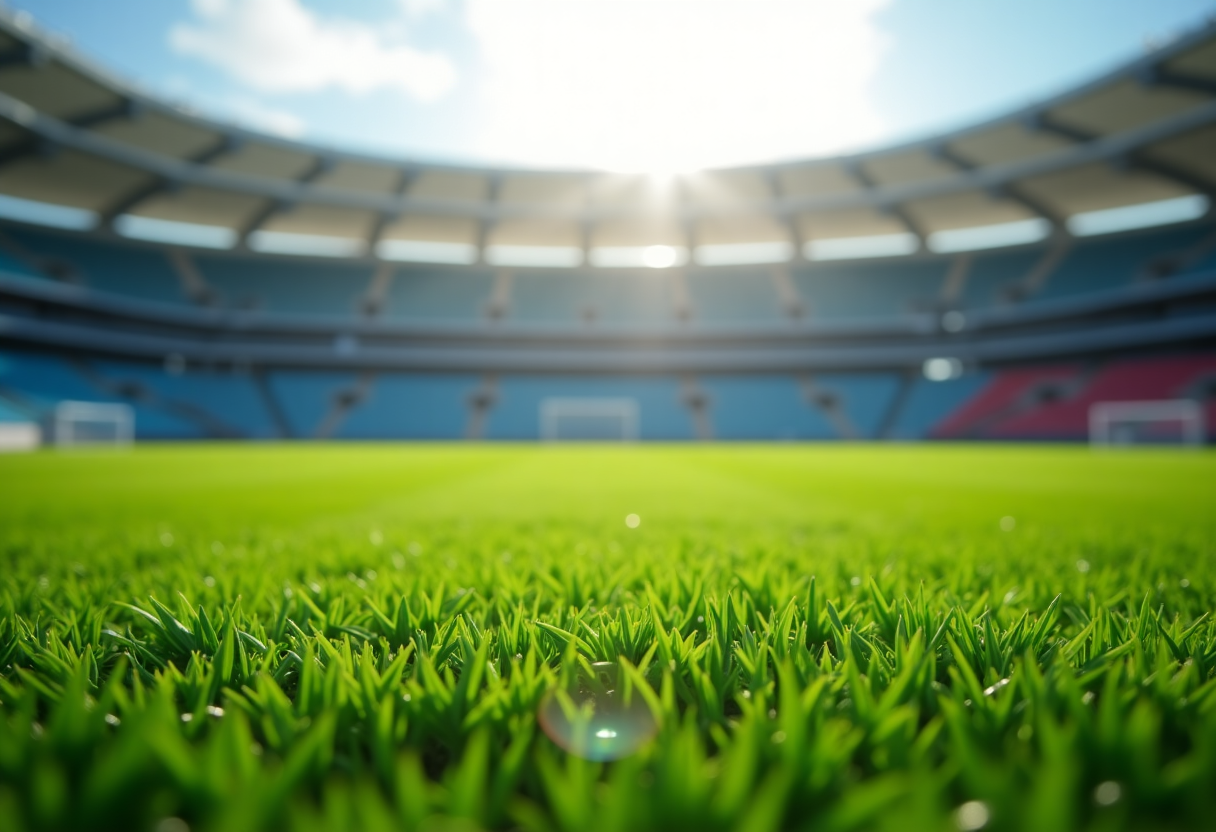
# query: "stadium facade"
{"type": "Point", "coordinates": [993, 282]}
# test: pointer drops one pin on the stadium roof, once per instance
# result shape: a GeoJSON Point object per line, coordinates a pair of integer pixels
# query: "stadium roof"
{"type": "Point", "coordinates": [79, 148]}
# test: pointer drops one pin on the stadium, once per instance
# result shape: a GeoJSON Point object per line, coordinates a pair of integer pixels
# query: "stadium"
{"type": "Point", "coordinates": [871, 574]}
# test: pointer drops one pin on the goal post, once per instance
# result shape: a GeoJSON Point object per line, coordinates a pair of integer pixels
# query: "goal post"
{"type": "Point", "coordinates": [588, 419]}
{"type": "Point", "coordinates": [77, 424]}
{"type": "Point", "coordinates": [1164, 422]}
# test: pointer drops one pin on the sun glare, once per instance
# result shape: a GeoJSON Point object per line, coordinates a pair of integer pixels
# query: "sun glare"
{"type": "Point", "coordinates": [660, 257]}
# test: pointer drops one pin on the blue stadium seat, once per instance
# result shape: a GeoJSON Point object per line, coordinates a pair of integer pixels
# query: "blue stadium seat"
{"type": "Point", "coordinates": [286, 285]}
{"type": "Point", "coordinates": [1100, 263]}
{"type": "Point", "coordinates": [400, 406]}
{"type": "Point", "coordinates": [871, 289]}
{"type": "Point", "coordinates": [992, 274]}
{"type": "Point", "coordinates": [741, 296]}
{"type": "Point", "coordinates": [136, 271]}
{"type": "Point", "coordinates": [306, 397]}
{"type": "Point", "coordinates": [929, 402]}
{"type": "Point", "coordinates": [613, 298]}
{"type": "Point", "coordinates": [10, 266]}
{"type": "Point", "coordinates": [39, 381]}
{"type": "Point", "coordinates": [762, 407]}
{"type": "Point", "coordinates": [424, 295]}
{"type": "Point", "coordinates": [223, 403]}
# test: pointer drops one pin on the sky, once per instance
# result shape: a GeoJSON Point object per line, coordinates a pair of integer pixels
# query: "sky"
{"type": "Point", "coordinates": [635, 85]}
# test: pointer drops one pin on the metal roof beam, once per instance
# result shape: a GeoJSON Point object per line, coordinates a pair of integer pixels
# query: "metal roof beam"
{"type": "Point", "coordinates": [225, 145]}
{"type": "Point", "coordinates": [894, 209]}
{"type": "Point", "coordinates": [322, 166]}
{"type": "Point", "coordinates": [1167, 170]}
{"type": "Point", "coordinates": [1133, 159]}
{"type": "Point", "coordinates": [128, 201]}
{"type": "Point", "coordinates": [1009, 191]}
{"type": "Point", "coordinates": [1043, 121]}
{"type": "Point", "coordinates": [1104, 148]}
{"type": "Point", "coordinates": [1159, 76]}
{"type": "Point", "coordinates": [25, 55]}
{"type": "Point", "coordinates": [486, 223]}
{"type": "Point", "coordinates": [258, 220]}
{"type": "Point", "coordinates": [124, 109]}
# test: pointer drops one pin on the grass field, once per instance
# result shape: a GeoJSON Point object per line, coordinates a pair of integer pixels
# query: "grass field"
{"type": "Point", "coordinates": [815, 638]}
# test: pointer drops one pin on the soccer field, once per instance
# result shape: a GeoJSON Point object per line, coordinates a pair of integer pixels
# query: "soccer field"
{"type": "Point", "coordinates": [400, 637]}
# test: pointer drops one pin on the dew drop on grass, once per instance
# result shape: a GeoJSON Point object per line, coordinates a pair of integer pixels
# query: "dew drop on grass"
{"type": "Point", "coordinates": [1008, 523]}
{"type": "Point", "coordinates": [590, 717]}
{"type": "Point", "coordinates": [1082, 566]}
{"type": "Point", "coordinates": [375, 537]}
{"type": "Point", "coordinates": [997, 686]}
{"type": "Point", "coordinates": [166, 539]}
{"type": "Point", "coordinates": [972, 815]}
{"type": "Point", "coordinates": [1108, 793]}
{"type": "Point", "coordinates": [855, 580]}
{"type": "Point", "coordinates": [779, 737]}
{"type": "Point", "coordinates": [209, 581]}
{"type": "Point", "coordinates": [632, 521]}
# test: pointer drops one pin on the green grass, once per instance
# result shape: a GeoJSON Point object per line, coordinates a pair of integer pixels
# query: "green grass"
{"type": "Point", "coordinates": [820, 638]}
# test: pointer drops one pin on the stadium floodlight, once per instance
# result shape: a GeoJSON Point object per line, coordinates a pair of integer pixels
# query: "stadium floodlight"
{"type": "Point", "coordinates": [1142, 215]}
{"type": "Point", "coordinates": [543, 257]}
{"type": "Point", "coordinates": [170, 231]}
{"type": "Point", "coordinates": [633, 257]}
{"type": "Point", "coordinates": [1021, 232]}
{"type": "Point", "coordinates": [424, 251]}
{"type": "Point", "coordinates": [858, 248]}
{"type": "Point", "coordinates": [310, 245]}
{"type": "Point", "coordinates": [660, 257]}
{"type": "Point", "coordinates": [1163, 422]}
{"type": "Point", "coordinates": [93, 423]}
{"type": "Point", "coordinates": [46, 213]}
{"type": "Point", "coordinates": [942, 369]}
{"type": "Point", "coordinates": [589, 419]}
{"type": "Point", "coordinates": [744, 254]}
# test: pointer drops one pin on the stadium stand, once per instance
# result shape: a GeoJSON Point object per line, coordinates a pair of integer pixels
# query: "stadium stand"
{"type": "Point", "coordinates": [136, 271]}
{"type": "Point", "coordinates": [226, 284]}
{"type": "Point", "coordinates": [1053, 402]}
{"type": "Point", "coordinates": [280, 285]}
{"type": "Point", "coordinates": [435, 295]}
{"type": "Point", "coordinates": [662, 412]}
{"type": "Point", "coordinates": [878, 288]}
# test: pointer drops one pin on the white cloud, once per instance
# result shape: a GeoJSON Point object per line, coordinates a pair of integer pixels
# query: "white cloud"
{"type": "Point", "coordinates": [675, 84]}
{"type": "Point", "coordinates": [257, 115]}
{"type": "Point", "coordinates": [421, 8]}
{"type": "Point", "coordinates": [281, 46]}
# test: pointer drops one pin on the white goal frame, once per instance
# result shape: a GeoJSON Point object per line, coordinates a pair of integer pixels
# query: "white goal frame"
{"type": "Point", "coordinates": [554, 410]}
{"type": "Point", "coordinates": [1104, 416]}
{"type": "Point", "coordinates": [69, 414]}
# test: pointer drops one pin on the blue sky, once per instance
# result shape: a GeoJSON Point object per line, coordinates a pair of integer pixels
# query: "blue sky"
{"type": "Point", "coordinates": [618, 84]}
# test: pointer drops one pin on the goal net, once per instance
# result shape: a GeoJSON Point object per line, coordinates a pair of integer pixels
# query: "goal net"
{"type": "Point", "coordinates": [589, 420]}
{"type": "Point", "coordinates": [1169, 422]}
{"type": "Point", "coordinates": [93, 423]}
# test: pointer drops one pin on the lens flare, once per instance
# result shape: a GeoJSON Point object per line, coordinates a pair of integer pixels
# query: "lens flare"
{"type": "Point", "coordinates": [595, 718]}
